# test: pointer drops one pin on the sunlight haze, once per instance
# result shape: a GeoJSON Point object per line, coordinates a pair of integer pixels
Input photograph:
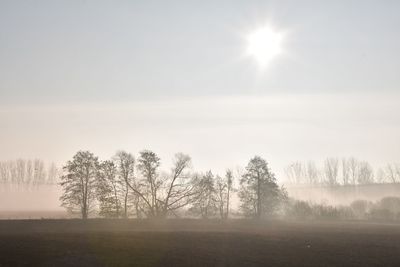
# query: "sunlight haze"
{"type": "Point", "coordinates": [91, 75]}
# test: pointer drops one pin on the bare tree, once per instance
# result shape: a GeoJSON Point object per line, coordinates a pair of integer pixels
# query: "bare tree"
{"type": "Point", "coordinates": [180, 189]}
{"type": "Point", "coordinates": [392, 172]}
{"type": "Point", "coordinates": [345, 172]}
{"type": "Point", "coordinates": [39, 173]}
{"type": "Point", "coordinates": [20, 171]}
{"type": "Point", "coordinates": [366, 173]}
{"type": "Point", "coordinates": [353, 169]}
{"type": "Point", "coordinates": [148, 165]}
{"type": "Point", "coordinates": [29, 172]}
{"type": "Point", "coordinates": [380, 176]}
{"type": "Point", "coordinates": [4, 173]}
{"type": "Point", "coordinates": [205, 204]}
{"type": "Point", "coordinates": [331, 171]}
{"type": "Point", "coordinates": [295, 172]}
{"type": "Point", "coordinates": [79, 183]}
{"type": "Point", "coordinates": [125, 163]}
{"type": "Point", "coordinates": [108, 192]}
{"type": "Point", "coordinates": [229, 188]}
{"type": "Point", "coordinates": [158, 195]}
{"type": "Point", "coordinates": [223, 186]}
{"type": "Point", "coordinates": [312, 173]}
{"type": "Point", "coordinates": [52, 174]}
{"type": "Point", "coordinates": [12, 165]}
{"type": "Point", "coordinates": [221, 195]}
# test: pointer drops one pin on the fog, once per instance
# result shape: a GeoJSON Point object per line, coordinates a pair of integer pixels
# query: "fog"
{"type": "Point", "coordinates": [343, 195]}
{"type": "Point", "coordinates": [218, 132]}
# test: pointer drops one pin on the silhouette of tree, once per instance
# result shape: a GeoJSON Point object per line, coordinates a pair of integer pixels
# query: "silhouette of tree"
{"type": "Point", "coordinates": [107, 190]}
{"type": "Point", "coordinates": [125, 163]}
{"type": "Point", "coordinates": [259, 193]}
{"type": "Point", "coordinates": [79, 183]}
{"type": "Point", "coordinates": [205, 203]}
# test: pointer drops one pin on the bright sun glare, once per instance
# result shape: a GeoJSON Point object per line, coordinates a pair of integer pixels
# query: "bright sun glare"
{"type": "Point", "coordinates": [264, 44]}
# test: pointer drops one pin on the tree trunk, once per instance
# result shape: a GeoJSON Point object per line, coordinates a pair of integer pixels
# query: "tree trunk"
{"type": "Point", "coordinates": [126, 205]}
{"type": "Point", "coordinates": [227, 205]}
{"type": "Point", "coordinates": [258, 197]}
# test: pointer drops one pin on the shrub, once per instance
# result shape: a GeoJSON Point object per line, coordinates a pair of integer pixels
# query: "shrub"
{"type": "Point", "coordinates": [299, 209]}
{"type": "Point", "coordinates": [360, 208]}
{"type": "Point", "coordinates": [381, 214]}
{"type": "Point", "coordinates": [390, 203]}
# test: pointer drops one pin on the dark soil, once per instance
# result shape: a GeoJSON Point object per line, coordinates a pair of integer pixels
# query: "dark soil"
{"type": "Point", "coordinates": [197, 243]}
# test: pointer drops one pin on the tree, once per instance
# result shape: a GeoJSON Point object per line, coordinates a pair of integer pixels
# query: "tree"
{"type": "Point", "coordinates": [108, 192]}
{"type": "Point", "coordinates": [29, 172]}
{"type": "Point", "coordinates": [229, 182]}
{"type": "Point", "coordinates": [221, 195]}
{"type": "Point", "coordinates": [392, 173]}
{"type": "Point", "coordinates": [259, 193]}
{"type": "Point", "coordinates": [180, 187]}
{"type": "Point", "coordinates": [205, 203]}
{"type": "Point", "coordinates": [366, 173]}
{"type": "Point", "coordinates": [125, 163]}
{"type": "Point", "coordinates": [353, 170]}
{"type": "Point", "coordinates": [52, 174]}
{"type": "Point", "coordinates": [39, 173]}
{"type": "Point", "coordinates": [312, 173]}
{"type": "Point", "coordinates": [295, 172]}
{"type": "Point", "coordinates": [345, 172]}
{"type": "Point", "coordinates": [332, 171]}
{"type": "Point", "coordinates": [160, 195]}
{"type": "Point", "coordinates": [79, 183]}
{"type": "Point", "coordinates": [223, 191]}
{"type": "Point", "coordinates": [148, 164]}
{"type": "Point", "coordinates": [20, 171]}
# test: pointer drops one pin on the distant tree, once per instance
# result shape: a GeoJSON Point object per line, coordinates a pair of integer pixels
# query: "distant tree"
{"type": "Point", "coordinates": [345, 172]}
{"type": "Point", "coordinates": [391, 173]}
{"type": "Point", "coordinates": [4, 174]}
{"type": "Point", "coordinates": [259, 193]}
{"type": "Point", "coordinates": [108, 192]}
{"type": "Point", "coordinates": [365, 173]}
{"type": "Point", "coordinates": [295, 173]}
{"type": "Point", "coordinates": [12, 165]}
{"type": "Point", "coordinates": [223, 187]}
{"type": "Point", "coordinates": [205, 204]}
{"type": "Point", "coordinates": [312, 173]}
{"type": "Point", "coordinates": [380, 176]}
{"type": "Point", "coordinates": [331, 171]}
{"type": "Point", "coordinates": [221, 195]}
{"type": "Point", "coordinates": [25, 173]}
{"type": "Point", "coordinates": [20, 171]}
{"type": "Point", "coordinates": [229, 188]}
{"type": "Point", "coordinates": [125, 163]}
{"type": "Point", "coordinates": [353, 168]}
{"type": "Point", "coordinates": [29, 172]}
{"type": "Point", "coordinates": [79, 183]}
{"type": "Point", "coordinates": [52, 174]}
{"type": "Point", "coordinates": [39, 173]}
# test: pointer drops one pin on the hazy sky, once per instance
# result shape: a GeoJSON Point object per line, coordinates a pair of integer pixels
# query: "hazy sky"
{"type": "Point", "coordinates": [174, 76]}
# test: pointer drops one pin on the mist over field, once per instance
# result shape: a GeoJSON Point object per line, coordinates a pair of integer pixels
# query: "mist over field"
{"type": "Point", "coordinates": [208, 133]}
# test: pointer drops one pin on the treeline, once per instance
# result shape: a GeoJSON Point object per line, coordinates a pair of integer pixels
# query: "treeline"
{"type": "Point", "coordinates": [385, 209]}
{"type": "Point", "coordinates": [22, 172]}
{"type": "Point", "coordinates": [128, 186]}
{"type": "Point", "coordinates": [345, 171]}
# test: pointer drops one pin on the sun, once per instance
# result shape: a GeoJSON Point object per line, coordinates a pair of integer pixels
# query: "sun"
{"type": "Point", "coordinates": [264, 44]}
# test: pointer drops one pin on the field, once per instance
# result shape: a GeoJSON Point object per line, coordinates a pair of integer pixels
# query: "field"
{"type": "Point", "coordinates": [197, 243]}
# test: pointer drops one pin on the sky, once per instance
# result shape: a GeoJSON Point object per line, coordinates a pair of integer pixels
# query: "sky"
{"type": "Point", "coordinates": [174, 76]}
